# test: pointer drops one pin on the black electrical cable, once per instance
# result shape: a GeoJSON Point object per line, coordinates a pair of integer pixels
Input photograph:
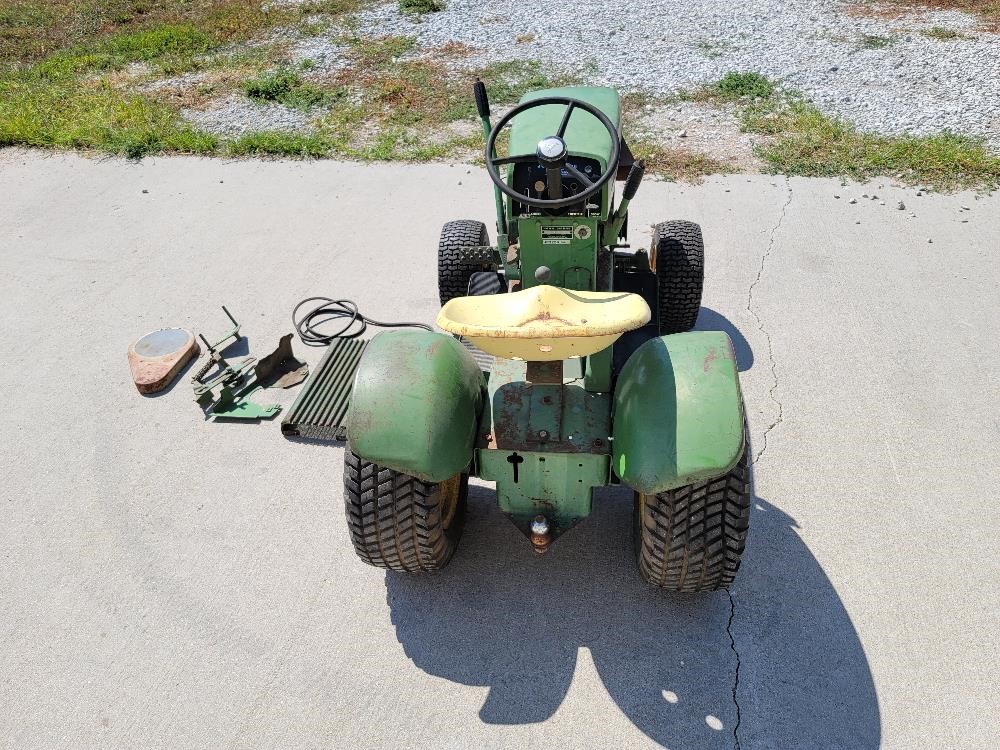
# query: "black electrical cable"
{"type": "Point", "coordinates": [329, 310]}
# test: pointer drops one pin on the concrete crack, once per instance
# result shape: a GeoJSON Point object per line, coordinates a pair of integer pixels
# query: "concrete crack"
{"type": "Point", "coordinates": [772, 392]}
{"type": "Point", "coordinates": [736, 679]}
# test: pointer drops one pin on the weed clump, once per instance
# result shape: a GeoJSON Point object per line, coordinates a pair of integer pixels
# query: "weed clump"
{"type": "Point", "coordinates": [285, 86]}
{"type": "Point", "coordinates": [733, 86]}
{"type": "Point", "coordinates": [419, 7]}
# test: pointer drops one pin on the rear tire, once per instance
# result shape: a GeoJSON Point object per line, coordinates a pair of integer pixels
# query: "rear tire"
{"type": "Point", "coordinates": [457, 258]}
{"type": "Point", "coordinates": [692, 538]}
{"type": "Point", "coordinates": [399, 522]}
{"type": "Point", "coordinates": [678, 256]}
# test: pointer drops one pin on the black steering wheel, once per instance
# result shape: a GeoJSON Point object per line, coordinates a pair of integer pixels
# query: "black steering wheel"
{"type": "Point", "coordinates": [551, 153]}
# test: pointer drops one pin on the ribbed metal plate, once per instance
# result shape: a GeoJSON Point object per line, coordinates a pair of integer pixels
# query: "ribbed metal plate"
{"type": "Point", "coordinates": [319, 411]}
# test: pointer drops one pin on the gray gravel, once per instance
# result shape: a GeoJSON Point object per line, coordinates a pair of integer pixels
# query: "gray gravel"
{"type": "Point", "coordinates": [235, 115]}
{"type": "Point", "coordinates": [915, 84]}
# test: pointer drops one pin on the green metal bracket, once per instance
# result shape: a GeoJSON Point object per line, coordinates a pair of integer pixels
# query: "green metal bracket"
{"type": "Point", "coordinates": [230, 405]}
{"type": "Point", "coordinates": [558, 485]}
{"type": "Point", "coordinates": [279, 369]}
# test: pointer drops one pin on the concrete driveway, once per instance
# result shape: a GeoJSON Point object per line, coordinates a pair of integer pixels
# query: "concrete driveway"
{"type": "Point", "coordinates": [168, 582]}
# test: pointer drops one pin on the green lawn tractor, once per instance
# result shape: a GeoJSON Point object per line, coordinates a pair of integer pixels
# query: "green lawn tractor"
{"type": "Point", "coordinates": [569, 363]}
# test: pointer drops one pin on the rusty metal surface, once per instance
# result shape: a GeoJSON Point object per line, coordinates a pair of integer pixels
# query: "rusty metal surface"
{"type": "Point", "coordinates": [574, 419]}
{"type": "Point", "coordinates": [545, 372]}
{"type": "Point", "coordinates": [280, 368]}
{"type": "Point", "coordinates": [319, 410]}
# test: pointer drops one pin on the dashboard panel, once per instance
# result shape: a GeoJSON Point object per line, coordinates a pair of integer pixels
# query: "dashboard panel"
{"type": "Point", "coordinates": [529, 179]}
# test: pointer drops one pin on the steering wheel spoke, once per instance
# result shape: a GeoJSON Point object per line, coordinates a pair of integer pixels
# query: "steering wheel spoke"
{"type": "Point", "coordinates": [565, 120]}
{"type": "Point", "coordinates": [524, 159]}
{"type": "Point", "coordinates": [587, 182]}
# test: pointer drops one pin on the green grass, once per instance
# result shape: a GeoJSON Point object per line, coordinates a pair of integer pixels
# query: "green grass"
{"type": "Point", "coordinates": [942, 34]}
{"type": "Point", "coordinates": [276, 143]}
{"type": "Point", "coordinates": [115, 52]}
{"type": "Point", "coordinates": [802, 140]}
{"type": "Point", "coordinates": [31, 30]}
{"type": "Point", "coordinates": [51, 103]}
{"type": "Point", "coordinates": [805, 141]}
{"type": "Point", "coordinates": [733, 87]}
{"type": "Point", "coordinates": [875, 41]}
{"type": "Point", "coordinates": [420, 6]}
{"type": "Point", "coordinates": [286, 86]}
{"type": "Point", "coordinates": [99, 117]}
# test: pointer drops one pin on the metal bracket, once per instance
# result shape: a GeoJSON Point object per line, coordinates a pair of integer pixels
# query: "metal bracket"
{"type": "Point", "coordinates": [215, 350]}
{"type": "Point", "coordinates": [278, 369]}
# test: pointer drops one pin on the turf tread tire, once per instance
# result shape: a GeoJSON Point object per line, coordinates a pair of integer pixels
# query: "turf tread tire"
{"type": "Point", "coordinates": [679, 252]}
{"type": "Point", "coordinates": [395, 520]}
{"type": "Point", "coordinates": [692, 538]}
{"type": "Point", "coordinates": [459, 257]}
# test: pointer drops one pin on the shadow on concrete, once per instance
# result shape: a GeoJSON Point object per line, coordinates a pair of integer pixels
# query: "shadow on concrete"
{"type": "Point", "coordinates": [710, 320]}
{"type": "Point", "coordinates": [499, 616]}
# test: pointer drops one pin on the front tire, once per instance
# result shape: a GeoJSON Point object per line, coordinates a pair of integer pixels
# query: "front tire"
{"type": "Point", "coordinates": [459, 258]}
{"type": "Point", "coordinates": [678, 257]}
{"type": "Point", "coordinates": [399, 522]}
{"type": "Point", "coordinates": [692, 538]}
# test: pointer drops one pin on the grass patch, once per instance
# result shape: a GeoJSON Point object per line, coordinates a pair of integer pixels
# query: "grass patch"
{"type": "Point", "coordinates": [711, 48]}
{"type": "Point", "coordinates": [59, 85]}
{"type": "Point", "coordinates": [56, 102]}
{"type": "Point", "coordinates": [275, 143]}
{"type": "Point", "coordinates": [942, 34]}
{"type": "Point", "coordinates": [733, 87]}
{"type": "Point", "coordinates": [799, 139]}
{"type": "Point", "coordinates": [115, 52]}
{"type": "Point", "coordinates": [31, 30]}
{"type": "Point", "coordinates": [96, 116]}
{"type": "Point", "coordinates": [804, 141]}
{"type": "Point", "coordinates": [420, 7]}
{"type": "Point", "coordinates": [285, 86]}
{"type": "Point", "coordinates": [875, 41]}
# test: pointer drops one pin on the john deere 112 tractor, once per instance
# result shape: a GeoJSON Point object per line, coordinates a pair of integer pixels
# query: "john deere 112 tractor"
{"type": "Point", "coordinates": [569, 363]}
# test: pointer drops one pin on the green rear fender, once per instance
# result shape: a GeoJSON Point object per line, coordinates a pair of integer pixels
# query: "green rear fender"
{"type": "Point", "coordinates": [415, 404]}
{"type": "Point", "coordinates": [678, 412]}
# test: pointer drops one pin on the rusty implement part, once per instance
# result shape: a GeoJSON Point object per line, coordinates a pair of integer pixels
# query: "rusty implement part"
{"type": "Point", "coordinates": [545, 373]}
{"type": "Point", "coordinates": [228, 377]}
{"type": "Point", "coordinates": [157, 358]}
{"type": "Point", "coordinates": [280, 369]}
{"type": "Point", "coordinates": [215, 350]}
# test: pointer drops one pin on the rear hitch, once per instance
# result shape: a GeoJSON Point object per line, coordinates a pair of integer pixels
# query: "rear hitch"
{"type": "Point", "coordinates": [541, 534]}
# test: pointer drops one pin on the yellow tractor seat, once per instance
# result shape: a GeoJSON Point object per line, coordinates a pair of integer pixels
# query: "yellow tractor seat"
{"type": "Point", "coordinates": [544, 323]}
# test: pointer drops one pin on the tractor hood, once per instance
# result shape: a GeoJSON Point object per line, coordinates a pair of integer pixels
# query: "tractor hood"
{"type": "Point", "coordinates": [585, 135]}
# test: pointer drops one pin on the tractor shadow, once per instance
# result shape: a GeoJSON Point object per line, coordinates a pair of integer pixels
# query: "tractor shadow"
{"type": "Point", "coordinates": [502, 617]}
{"type": "Point", "coordinates": [710, 320]}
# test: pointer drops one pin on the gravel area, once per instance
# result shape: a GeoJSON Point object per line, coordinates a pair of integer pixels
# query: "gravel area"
{"type": "Point", "coordinates": [700, 128]}
{"type": "Point", "coordinates": [235, 115]}
{"type": "Point", "coordinates": [914, 84]}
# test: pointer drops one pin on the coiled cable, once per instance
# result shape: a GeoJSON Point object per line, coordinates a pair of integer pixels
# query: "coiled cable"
{"type": "Point", "coordinates": [326, 311]}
